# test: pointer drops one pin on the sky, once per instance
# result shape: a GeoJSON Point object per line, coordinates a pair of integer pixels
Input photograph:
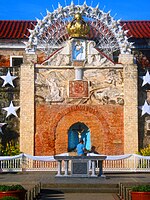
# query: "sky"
{"type": "Point", "coordinates": [32, 9]}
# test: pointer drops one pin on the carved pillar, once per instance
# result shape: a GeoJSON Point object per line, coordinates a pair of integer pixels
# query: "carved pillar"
{"type": "Point", "coordinates": [130, 104]}
{"type": "Point", "coordinates": [78, 73]}
{"type": "Point", "coordinates": [27, 110]}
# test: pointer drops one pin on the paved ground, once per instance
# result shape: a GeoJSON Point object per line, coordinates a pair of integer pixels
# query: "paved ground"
{"type": "Point", "coordinates": [48, 178]}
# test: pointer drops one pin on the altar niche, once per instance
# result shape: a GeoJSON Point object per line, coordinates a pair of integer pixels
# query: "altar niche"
{"type": "Point", "coordinates": [77, 132]}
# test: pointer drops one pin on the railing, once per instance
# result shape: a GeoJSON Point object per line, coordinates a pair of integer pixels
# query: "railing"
{"type": "Point", "coordinates": [122, 163]}
{"type": "Point", "coordinates": [127, 163]}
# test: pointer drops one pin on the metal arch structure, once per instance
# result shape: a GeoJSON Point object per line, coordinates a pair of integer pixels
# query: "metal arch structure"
{"type": "Point", "coordinates": [50, 33]}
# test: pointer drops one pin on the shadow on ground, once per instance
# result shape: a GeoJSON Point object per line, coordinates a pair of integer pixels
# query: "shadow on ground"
{"type": "Point", "coordinates": [51, 195]}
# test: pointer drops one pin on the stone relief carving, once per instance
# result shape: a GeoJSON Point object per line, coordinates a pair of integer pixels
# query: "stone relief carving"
{"type": "Point", "coordinates": [60, 58]}
{"type": "Point", "coordinates": [114, 77]}
{"type": "Point", "coordinates": [54, 91]}
{"type": "Point", "coordinates": [50, 86]}
{"type": "Point", "coordinates": [105, 87]}
{"type": "Point", "coordinates": [94, 58]}
{"type": "Point", "coordinates": [109, 96]}
{"type": "Point", "coordinates": [106, 82]}
{"type": "Point", "coordinates": [97, 60]}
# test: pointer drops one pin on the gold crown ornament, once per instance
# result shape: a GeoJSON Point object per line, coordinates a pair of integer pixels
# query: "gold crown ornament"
{"type": "Point", "coordinates": [78, 27]}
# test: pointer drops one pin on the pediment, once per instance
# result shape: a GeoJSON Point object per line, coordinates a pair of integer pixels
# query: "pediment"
{"type": "Point", "coordinates": [90, 55]}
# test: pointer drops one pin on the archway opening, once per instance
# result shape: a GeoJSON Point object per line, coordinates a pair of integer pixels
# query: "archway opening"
{"type": "Point", "coordinates": [76, 132]}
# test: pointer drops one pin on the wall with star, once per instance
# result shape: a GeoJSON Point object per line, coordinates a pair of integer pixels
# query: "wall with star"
{"type": "Point", "coordinates": [144, 106]}
{"type": "Point", "coordinates": [9, 104]}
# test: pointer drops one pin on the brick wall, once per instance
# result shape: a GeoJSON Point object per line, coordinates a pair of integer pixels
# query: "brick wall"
{"type": "Point", "coordinates": [5, 56]}
{"type": "Point", "coordinates": [53, 122]}
{"type": "Point", "coordinates": [4, 61]}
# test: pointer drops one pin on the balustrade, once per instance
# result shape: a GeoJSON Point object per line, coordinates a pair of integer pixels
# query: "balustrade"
{"type": "Point", "coordinates": [23, 162]}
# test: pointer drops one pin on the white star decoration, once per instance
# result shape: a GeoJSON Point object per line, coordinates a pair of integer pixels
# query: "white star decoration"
{"type": "Point", "coordinates": [146, 78]}
{"type": "Point", "coordinates": [145, 108]}
{"type": "Point", "coordinates": [1, 125]}
{"type": "Point", "coordinates": [11, 110]}
{"type": "Point", "coordinates": [8, 79]}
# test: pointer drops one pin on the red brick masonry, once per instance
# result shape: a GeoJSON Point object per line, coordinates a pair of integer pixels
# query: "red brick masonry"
{"type": "Point", "coordinates": [53, 122]}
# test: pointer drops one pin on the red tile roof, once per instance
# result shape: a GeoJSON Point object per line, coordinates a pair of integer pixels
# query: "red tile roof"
{"type": "Point", "coordinates": [10, 29]}
{"type": "Point", "coordinates": [137, 29]}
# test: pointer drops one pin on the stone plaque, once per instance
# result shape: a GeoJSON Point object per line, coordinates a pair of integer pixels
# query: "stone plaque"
{"type": "Point", "coordinates": [80, 168]}
{"type": "Point", "coordinates": [78, 89]}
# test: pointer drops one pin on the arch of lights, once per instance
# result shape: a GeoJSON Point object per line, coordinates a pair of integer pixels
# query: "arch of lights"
{"type": "Point", "coordinates": [50, 33]}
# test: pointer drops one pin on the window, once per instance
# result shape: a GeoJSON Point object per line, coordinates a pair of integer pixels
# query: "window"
{"type": "Point", "coordinates": [16, 60]}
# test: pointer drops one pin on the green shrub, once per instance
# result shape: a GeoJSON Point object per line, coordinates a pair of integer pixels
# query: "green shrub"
{"type": "Point", "coordinates": [141, 188]}
{"type": "Point", "coordinates": [145, 151]}
{"type": "Point", "coordinates": [11, 149]}
{"type": "Point", "coordinates": [4, 188]}
{"type": "Point", "coordinates": [9, 198]}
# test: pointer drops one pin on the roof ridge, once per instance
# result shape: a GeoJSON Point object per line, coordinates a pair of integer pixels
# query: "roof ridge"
{"type": "Point", "coordinates": [137, 28]}
{"type": "Point", "coordinates": [135, 21]}
{"type": "Point", "coordinates": [18, 20]}
{"type": "Point", "coordinates": [13, 20]}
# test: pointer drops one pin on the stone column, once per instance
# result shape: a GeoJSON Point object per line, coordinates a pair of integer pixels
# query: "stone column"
{"type": "Point", "coordinates": [130, 104]}
{"type": "Point", "coordinates": [78, 73]}
{"type": "Point", "coordinates": [27, 109]}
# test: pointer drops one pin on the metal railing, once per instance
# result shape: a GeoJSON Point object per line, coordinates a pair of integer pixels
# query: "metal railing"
{"type": "Point", "coordinates": [23, 162]}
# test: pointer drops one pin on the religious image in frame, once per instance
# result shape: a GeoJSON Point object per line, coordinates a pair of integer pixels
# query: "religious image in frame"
{"type": "Point", "coordinates": [78, 50]}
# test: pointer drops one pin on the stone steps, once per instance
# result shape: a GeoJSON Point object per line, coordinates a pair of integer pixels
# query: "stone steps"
{"type": "Point", "coordinates": [86, 190]}
{"type": "Point", "coordinates": [125, 188]}
{"type": "Point", "coordinates": [52, 194]}
{"type": "Point", "coordinates": [82, 188]}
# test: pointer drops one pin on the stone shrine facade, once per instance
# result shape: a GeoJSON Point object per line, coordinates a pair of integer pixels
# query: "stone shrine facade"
{"type": "Point", "coordinates": [97, 100]}
{"type": "Point", "coordinates": [72, 86]}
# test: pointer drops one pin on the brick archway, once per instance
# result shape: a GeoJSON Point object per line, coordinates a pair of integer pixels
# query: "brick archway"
{"type": "Point", "coordinates": [91, 117]}
{"type": "Point", "coordinates": [53, 122]}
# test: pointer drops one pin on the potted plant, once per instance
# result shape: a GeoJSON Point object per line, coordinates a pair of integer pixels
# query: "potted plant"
{"type": "Point", "coordinates": [17, 191]}
{"type": "Point", "coordinates": [140, 192]}
{"type": "Point", "coordinates": [9, 198]}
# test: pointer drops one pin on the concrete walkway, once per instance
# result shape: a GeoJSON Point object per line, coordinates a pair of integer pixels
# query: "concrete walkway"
{"type": "Point", "coordinates": [49, 182]}
{"type": "Point", "coordinates": [49, 177]}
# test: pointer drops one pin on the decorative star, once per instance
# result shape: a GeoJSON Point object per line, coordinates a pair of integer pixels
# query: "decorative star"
{"type": "Point", "coordinates": [8, 79]}
{"type": "Point", "coordinates": [145, 108]}
{"type": "Point", "coordinates": [146, 78]}
{"type": "Point", "coordinates": [11, 110]}
{"type": "Point", "coordinates": [1, 125]}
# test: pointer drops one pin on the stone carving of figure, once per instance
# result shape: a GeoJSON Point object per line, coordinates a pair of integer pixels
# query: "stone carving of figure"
{"type": "Point", "coordinates": [114, 77]}
{"type": "Point", "coordinates": [55, 93]}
